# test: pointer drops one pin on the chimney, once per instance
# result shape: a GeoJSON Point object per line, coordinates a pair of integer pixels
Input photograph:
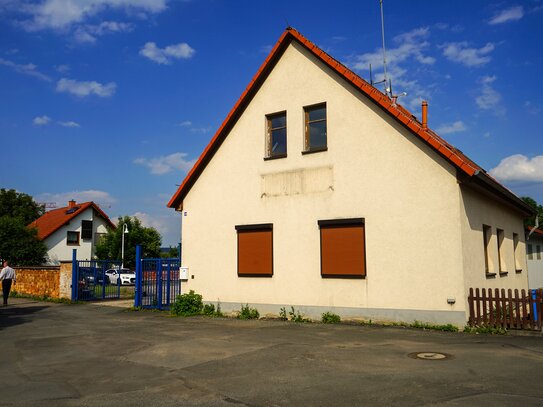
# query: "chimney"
{"type": "Point", "coordinates": [424, 114]}
{"type": "Point", "coordinates": [71, 203]}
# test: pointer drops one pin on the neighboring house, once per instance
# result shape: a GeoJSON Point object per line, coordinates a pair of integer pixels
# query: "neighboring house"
{"type": "Point", "coordinates": [320, 192]}
{"type": "Point", "coordinates": [77, 226]}
{"type": "Point", "coordinates": [534, 247]}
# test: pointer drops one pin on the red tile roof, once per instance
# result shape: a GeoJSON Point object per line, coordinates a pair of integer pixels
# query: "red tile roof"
{"type": "Point", "coordinates": [535, 231]}
{"type": "Point", "coordinates": [53, 220]}
{"type": "Point", "coordinates": [446, 150]}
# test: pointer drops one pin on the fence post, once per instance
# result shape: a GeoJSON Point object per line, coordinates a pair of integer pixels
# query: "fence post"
{"type": "Point", "coordinates": [75, 282]}
{"type": "Point", "coordinates": [139, 277]}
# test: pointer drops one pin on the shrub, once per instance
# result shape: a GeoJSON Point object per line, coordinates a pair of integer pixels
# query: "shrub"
{"type": "Point", "coordinates": [209, 309]}
{"type": "Point", "coordinates": [295, 316]}
{"type": "Point", "coordinates": [247, 312]}
{"type": "Point", "coordinates": [283, 314]}
{"type": "Point", "coordinates": [186, 305]}
{"type": "Point", "coordinates": [330, 318]}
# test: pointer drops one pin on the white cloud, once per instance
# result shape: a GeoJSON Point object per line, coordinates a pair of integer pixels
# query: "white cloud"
{"type": "Point", "coordinates": [518, 167]}
{"type": "Point", "coordinates": [41, 120]}
{"type": "Point", "coordinates": [61, 199]}
{"type": "Point", "coordinates": [82, 89]}
{"type": "Point", "coordinates": [410, 46]}
{"type": "Point", "coordinates": [461, 53]}
{"type": "Point", "coordinates": [165, 55]}
{"type": "Point", "coordinates": [62, 68]}
{"type": "Point", "coordinates": [514, 13]}
{"type": "Point", "coordinates": [158, 222]}
{"type": "Point", "coordinates": [88, 33]}
{"type": "Point", "coordinates": [489, 98]}
{"type": "Point", "coordinates": [186, 123]}
{"type": "Point", "coordinates": [165, 164]}
{"type": "Point", "coordinates": [456, 127]}
{"type": "Point", "coordinates": [69, 124]}
{"type": "Point", "coordinates": [27, 69]}
{"type": "Point", "coordinates": [61, 14]}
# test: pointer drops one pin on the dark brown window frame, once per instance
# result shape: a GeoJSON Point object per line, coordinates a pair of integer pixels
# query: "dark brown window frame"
{"type": "Point", "coordinates": [487, 237]}
{"type": "Point", "coordinates": [307, 139]}
{"type": "Point", "coordinates": [85, 223]}
{"type": "Point", "coordinates": [78, 238]}
{"type": "Point", "coordinates": [339, 223]}
{"type": "Point", "coordinates": [269, 129]}
{"type": "Point", "coordinates": [254, 228]}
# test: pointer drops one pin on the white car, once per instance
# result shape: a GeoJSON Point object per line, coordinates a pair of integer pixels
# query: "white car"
{"type": "Point", "coordinates": [127, 277]}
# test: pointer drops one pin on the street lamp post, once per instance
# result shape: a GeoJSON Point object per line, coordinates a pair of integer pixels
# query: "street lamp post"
{"type": "Point", "coordinates": [125, 230]}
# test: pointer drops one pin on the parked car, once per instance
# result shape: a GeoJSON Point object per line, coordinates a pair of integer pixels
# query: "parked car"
{"type": "Point", "coordinates": [126, 276]}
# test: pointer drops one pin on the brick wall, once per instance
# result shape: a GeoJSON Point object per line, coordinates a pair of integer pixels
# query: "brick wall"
{"type": "Point", "coordinates": [65, 280]}
{"type": "Point", "coordinates": [38, 281]}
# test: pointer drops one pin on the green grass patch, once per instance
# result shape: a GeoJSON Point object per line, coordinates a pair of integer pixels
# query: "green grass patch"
{"type": "Point", "coordinates": [330, 318]}
{"type": "Point", "coordinates": [247, 312]}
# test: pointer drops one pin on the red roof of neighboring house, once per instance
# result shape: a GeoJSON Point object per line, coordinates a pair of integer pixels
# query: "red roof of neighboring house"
{"type": "Point", "coordinates": [53, 220]}
{"type": "Point", "coordinates": [535, 231]}
{"type": "Point", "coordinates": [446, 150]}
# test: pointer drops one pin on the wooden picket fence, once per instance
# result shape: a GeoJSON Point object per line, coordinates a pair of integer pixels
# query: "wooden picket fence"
{"type": "Point", "coordinates": [511, 310]}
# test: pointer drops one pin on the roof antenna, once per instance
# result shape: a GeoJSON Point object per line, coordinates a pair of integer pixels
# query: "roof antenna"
{"type": "Point", "coordinates": [371, 77]}
{"type": "Point", "coordinates": [384, 49]}
{"type": "Point", "coordinates": [288, 25]}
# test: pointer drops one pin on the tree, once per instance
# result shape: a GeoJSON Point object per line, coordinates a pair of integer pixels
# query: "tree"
{"type": "Point", "coordinates": [538, 208]}
{"type": "Point", "coordinates": [20, 244]}
{"type": "Point", "coordinates": [109, 246]}
{"type": "Point", "coordinates": [18, 205]}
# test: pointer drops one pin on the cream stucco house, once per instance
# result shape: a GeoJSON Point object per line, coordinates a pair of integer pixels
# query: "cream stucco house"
{"type": "Point", "coordinates": [320, 192]}
{"type": "Point", "coordinates": [76, 226]}
{"type": "Point", "coordinates": [534, 254]}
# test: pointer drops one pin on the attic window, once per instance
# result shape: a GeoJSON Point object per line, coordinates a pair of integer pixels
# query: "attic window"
{"type": "Point", "coordinates": [86, 229]}
{"type": "Point", "coordinates": [276, 135]}
{"type": "Point", "coordinates": [315, 128]}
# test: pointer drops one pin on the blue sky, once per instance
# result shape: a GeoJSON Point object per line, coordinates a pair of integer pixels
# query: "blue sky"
{"type": "Point", "coordinates": [113, 100]}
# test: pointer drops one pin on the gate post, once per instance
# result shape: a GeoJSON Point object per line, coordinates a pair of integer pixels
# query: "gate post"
{"type": "Point", "coordinates": [139, 277]}
{"type": "Point", "coordinates": [159, 284]}
{"type": "Point", "coordinates": [75, 282]}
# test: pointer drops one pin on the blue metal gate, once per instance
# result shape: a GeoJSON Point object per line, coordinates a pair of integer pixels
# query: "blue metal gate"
{"type": "Point", "coordinates": [90, 281]}
{"type": "Point", "coordinates": [158, 282]}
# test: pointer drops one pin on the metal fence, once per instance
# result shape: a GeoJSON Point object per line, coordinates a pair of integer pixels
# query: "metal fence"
{"type": "Point", "coordinates": [158, 281]}
{"type": "Point", "coordinates": [91, 280]}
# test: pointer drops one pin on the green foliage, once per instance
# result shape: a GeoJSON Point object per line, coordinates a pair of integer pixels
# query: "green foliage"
{"type": "Point", "coordinates": [247, 312]}
{"type": "Point", "coordinates": [44, 298]}
{"type": "Point", "coordinates": [186, 305]}
{"type": "Point", "coordinates": [422, 325]}
{"type": "Point", "coordinates": [330, 318]}
{"type": "Point", "coordinates": [109, 246]}
{"type": "Point", "coordinates": [210, 311]}
{"type": "Point", "coordinates": [20, 206]}
{"type": "Point", "coordinates": [484, 330]}
{"type": "Point", "coordinates": [538, 208]}
{"type": "Point", "coordinates": [283, 314]}
{"type": "Point", "coordinates": [173, 252]}
{"type": "Point", "coordinates": [19, 244]}
{"type": "Point", "coordinates": [295, 316]}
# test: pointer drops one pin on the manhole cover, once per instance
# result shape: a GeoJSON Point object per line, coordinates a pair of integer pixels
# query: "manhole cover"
{"type": "Point", "coordinates": [430, 355]}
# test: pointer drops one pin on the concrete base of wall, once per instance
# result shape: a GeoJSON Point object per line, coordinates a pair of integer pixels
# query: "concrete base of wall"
{"type": "Point", "coordinates": [378, 315]}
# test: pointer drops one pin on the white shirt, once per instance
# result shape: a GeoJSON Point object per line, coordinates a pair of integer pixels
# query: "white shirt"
{"type": "Point", "coordinates": [7, 273]}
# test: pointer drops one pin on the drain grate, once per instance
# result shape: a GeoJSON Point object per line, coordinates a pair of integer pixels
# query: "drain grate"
{"type": "Point", "coordinates": [430, 355]}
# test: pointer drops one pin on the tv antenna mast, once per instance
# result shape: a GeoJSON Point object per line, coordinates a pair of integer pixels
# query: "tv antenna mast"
{"type": "Point", "coordinates": [385, 79]}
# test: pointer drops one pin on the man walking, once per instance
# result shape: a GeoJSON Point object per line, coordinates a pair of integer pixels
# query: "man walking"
{"type": "Point", "coordinates": [7, 275]}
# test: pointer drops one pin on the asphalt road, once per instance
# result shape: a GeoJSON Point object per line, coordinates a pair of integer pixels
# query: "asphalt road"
{"type": "Point", "coordinates": [88, 355]}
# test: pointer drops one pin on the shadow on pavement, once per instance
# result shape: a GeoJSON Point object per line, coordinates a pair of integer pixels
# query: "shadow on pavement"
{"type": "Point", "coordinates": [16, 315]}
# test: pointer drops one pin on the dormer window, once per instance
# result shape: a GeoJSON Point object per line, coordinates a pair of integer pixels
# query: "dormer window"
{"type": "Point", "coordinates": [276, 143]}
{"type": "Point", "coordinates": [315, 128]}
